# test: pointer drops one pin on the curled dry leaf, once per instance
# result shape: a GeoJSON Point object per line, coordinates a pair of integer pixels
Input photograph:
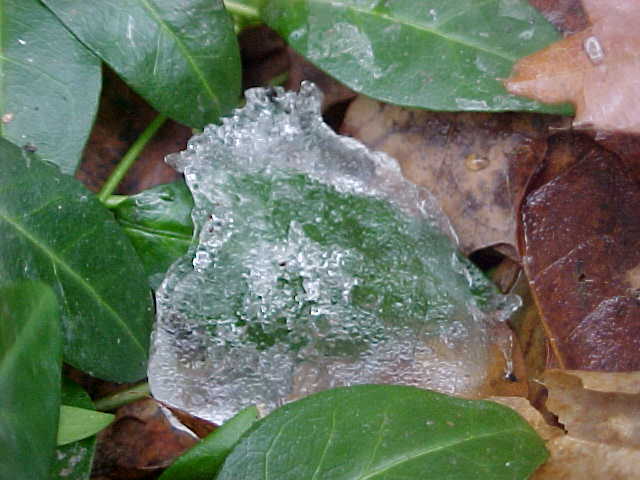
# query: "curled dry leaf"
{"type": "Point", "coordinates": [475, 164]}
{"type": "Point", "coordinates": [603, 427]}
{"type": "Point", "coordinates": [596, 69]}
{"type": "Point", "coordinates": [145, 438]}
{"type": "Point", "coordinates": [580, 247]}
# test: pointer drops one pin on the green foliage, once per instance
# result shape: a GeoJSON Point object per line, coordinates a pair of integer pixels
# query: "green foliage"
{"type": "Point", "coordinates": [54, 230]}
{"type": "Point", "coordinates": [79, 423]}
{"type": "Point", "coordinates": [387, 432]}
{"type": "Point", "coordinates": [158, 223]}
{"type": "Point", "coordinates": [446, 55]}
{"type": "Point", "coordinates": [183, 58]}
{"type": "Point", "coordinates": [50, 83]}
{"type": "Point", "coordinates": [73, 461]}
{"type": "Point", "coordinates": [203, 461]}
{"type": "Point", "coordinates": [30, 362]}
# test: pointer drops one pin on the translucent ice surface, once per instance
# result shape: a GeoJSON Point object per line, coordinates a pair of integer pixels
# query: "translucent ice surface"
{"type": "Point", "coordinates": [316, 264]}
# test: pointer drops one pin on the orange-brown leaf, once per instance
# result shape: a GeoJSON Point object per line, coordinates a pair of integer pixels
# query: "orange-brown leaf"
{"type": "Point", "coordinates": [598, 69]}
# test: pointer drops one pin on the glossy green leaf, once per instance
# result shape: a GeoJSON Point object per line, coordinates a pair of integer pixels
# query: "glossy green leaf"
{"type": "Point", "coordinates": [30, 362]}
{"type": "Point", "coordinates": [158, 223]}
{"type": "Point", "coordinates": [440, 54]}
{"type": "Point", "coordinates": [203, 461]}
{"type": "Point", "coordinates": [74, 460]}
{"type": "Point", "coordinates": [49, 83]}
{"type": "Point", "coordinates": [387, 432]}
{"type": "Point", "coordinates": [54, 230]}
{"type": "Point", "coordinates": [182, 57]}
{"type": "Point", "coordinates": [79, 423]}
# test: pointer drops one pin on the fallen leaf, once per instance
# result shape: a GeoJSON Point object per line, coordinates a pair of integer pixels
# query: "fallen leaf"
{"type": "Point", "coordinates": [531, 415]}
{"type": "Point", "coordinates": [580, 239]}
{"type": "Point", "coordinates": [573, 459]}
{"type": "Point", "coordinates": [596, 69]}
{"type": "Point", "coordinates": [611, 417]}
{"type": "Point", "coordinates": [602, 428]}
{"type": "Point", "coordinates": [145, 438]}
{"type": "Point", "coordinates": [475, 164]}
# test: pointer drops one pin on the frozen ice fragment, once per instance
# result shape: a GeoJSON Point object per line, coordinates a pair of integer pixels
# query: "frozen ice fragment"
{"type": "Point", "coordinates": [315, 264]}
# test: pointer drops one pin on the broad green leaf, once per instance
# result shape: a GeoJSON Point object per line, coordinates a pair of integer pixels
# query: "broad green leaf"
{"type": "Point", "coordinates": [437, 54]}
{"type": "Point", "coordinates": [54, 230]}
{"type": "Point", "coordinates": [79, 423]}
{"type": "Point", "coordinates": [203, 461]}
{"type": "Point", "coordinates": [30, 362]}
{"type": "Point", "coordinates": [49, 83]}
{"type": "Point", "coordinates": [387, 432]}
{"type": "Point", "coordinates": [74, 460]}
{"type": "Point", "coordinates": [182, 57]}
{"type": "Point", "coordinates": [158, 223]}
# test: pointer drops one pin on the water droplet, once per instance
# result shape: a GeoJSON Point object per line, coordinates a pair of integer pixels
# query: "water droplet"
{"type": "Point", "coordinates": [593, 49]}
{"type": "Point", "coordinates": [474, 163]}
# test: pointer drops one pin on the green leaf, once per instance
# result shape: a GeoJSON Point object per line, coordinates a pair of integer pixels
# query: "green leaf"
{"type": "Point", "coordinates": [441, 55]}
{"type": "Point", "coordinates": [30, 362]}
{"type": "Point", "coordinates": [74, 460]}
{"type": "Point", "coordinates": [49, 83]}
{"type": "Point", "coordinates": [203, 461]}
{"type": "Point", "coordinates": [387, 432]}
{"type": "Point", "coordinates": [158, 223]}
{"type": "Point", "coordinates": [78, 423]}
{"type": "Point", "coordinates": [183, 57]}
{"type": "Point", "coordinates": [54, 230]}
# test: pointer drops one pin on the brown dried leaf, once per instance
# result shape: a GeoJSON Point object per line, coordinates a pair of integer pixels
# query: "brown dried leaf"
{"type": "Point", "coordinates": [574, 459]}
{"type": "Point", "coordinates": [531, 415]}
{"type": "Point", "coordinates": [596, 69]}
{"type": "Point", "coordinates": [145, 438]}
{"type": "Point", "coordinates": [603, 427]}
{"type": "Point", "coordinates": [610, 417]}
{"type": "Point", "coordinates": [580, 247]}
{"type": "Point", "coordinates": [477, 165]}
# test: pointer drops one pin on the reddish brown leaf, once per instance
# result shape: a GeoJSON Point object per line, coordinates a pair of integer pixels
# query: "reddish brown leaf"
{"type": "Point", "coordinates": [476, 165]}
{"type": "Point", "coordinates": [581, 252]}
{"type": "Point", "coordinates": [597, 69]}
{"type": "Point", "coordinates": [145, 438]}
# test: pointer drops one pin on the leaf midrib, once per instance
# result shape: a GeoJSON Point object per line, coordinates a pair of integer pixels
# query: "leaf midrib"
{"type": "Point", "coordinates": [185, 51]}
{"type": "Point", "coordinates": [136, 227]}
{"type": "Point", "coordinates": [423, 28]}
{"type": "Point", "coordinates": [458, 441]}
{"type": "Point", "coordinates": [72, 273]}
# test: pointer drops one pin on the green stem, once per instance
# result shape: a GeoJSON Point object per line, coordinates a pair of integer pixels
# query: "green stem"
{"type": "Point", "coordinates": [118, 399]}
{"type": "Point", "coordinates": [241, 10]}
{"type": "Point", "coordinates": [112, 201]}
{"type": "Point", "coordinates": [129, 158]}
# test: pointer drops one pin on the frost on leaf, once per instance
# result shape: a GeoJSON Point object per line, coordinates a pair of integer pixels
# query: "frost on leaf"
{"type": "Point", "coordinates": [315, 264]}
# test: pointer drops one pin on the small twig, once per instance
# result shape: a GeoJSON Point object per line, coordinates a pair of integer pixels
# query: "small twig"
{"type": "Point", "coordinates": [241, 10]}
{"type": "Point", "coordinates": [118, 399]}
{"type": "Point", "coordinates": [129, 158]}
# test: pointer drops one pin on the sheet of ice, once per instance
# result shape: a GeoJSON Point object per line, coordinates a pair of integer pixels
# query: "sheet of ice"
{"type": "Point", "coordinates": [315, 264]}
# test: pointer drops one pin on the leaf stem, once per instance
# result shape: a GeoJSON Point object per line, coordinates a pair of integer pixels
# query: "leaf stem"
{"type": "Point", "coordinates": [118, 399]}
{"type": "Point", "coordinates": [241, 10]}
{"type": "Point", "coordinates": [129, 158]}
